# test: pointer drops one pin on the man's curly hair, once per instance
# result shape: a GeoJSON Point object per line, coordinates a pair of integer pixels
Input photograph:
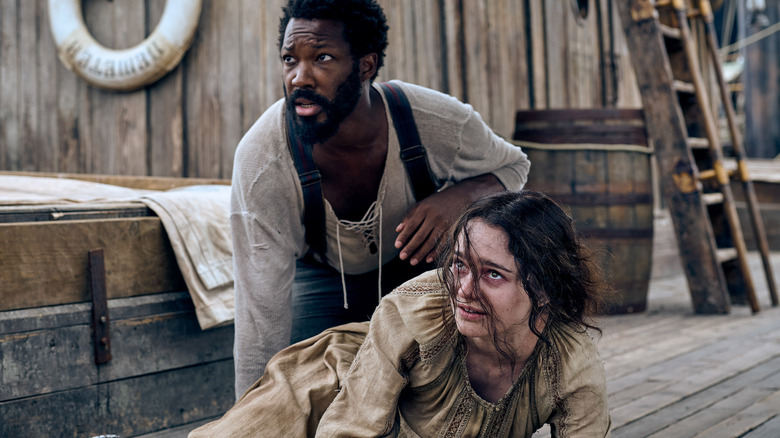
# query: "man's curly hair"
{"type": "Point", "coordinates": [365, 24]}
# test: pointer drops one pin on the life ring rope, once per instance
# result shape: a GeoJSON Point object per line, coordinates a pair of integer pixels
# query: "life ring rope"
{"type": "Point", "coordinates": [128, 69]}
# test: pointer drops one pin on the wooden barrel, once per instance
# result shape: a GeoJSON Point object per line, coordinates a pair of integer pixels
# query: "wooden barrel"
{"type": "Point", "coordinates": [596, 163]}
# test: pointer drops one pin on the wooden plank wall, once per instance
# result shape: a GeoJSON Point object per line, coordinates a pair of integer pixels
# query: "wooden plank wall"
{"type": "Point", "coordinates": [762, 90]}
{"type": "Point", "coordinates": [498, 55]}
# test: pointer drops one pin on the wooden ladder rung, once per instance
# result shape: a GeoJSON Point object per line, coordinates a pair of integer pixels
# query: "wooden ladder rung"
{"type": "Point", "coordinates": [683, 87]}
{"type": "Point", "coordinates": [669, 31]}
{"type": "Point", "coordinates": [698, 143]}
{"type": "Point", "coordinates": [711, 174]}
{"type": "Point", "coordinates": [726, 254]}
{"type": "Point", "coordinates": [712, 198]}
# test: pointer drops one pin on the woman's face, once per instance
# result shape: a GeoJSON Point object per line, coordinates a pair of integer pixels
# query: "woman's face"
{"type": "Point", "coordinates": [498, 281]}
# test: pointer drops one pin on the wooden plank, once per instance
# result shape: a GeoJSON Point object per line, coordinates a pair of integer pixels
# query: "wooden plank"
{"type": "Point", "coordinates": [39, 213]}
{"type": "Point", "coordinates": [134, 182]}
{"type": "Point", "coordinates": [761, 78]}
{"type": "Point", "coordinates": [536, 37]}
{"type": "Point", "coordinates": [453, 50]}
{"type": "Point", "coordinates": [689, 342]}
{"type": "Point", "coordinates": [725, 408]}
{"type": "Point", "coordinates": [251, 24]}
{"type": "Point", "coordinates": [103, 105]}
{"type": "Point", "coordinates": [477, 54]}
{"type": "Point", "coordinates": [228, 87]}
{"type": "Point", "coordinates": [768, 429]}
{"type": "Point", "coordinates": [44, 263]}
{"type": "Point", "coordinates": [428, 32]}
{"type": "Point", "coordinates": [124, 407]}
{"type": "Point", "coordinates": [130, 115]}
{"type": "Point", "coordinates": [48, 129]}
{"type": "Point", "coordinates": [498, 62]}
{"type": "Point", "coordinates": [694, 372]}
{"type": "Point", "coordinates": [55, 355]}
{"type": "Point", "coordinates": [271, 68]}
{"type": "Point", "coordinates": [9, 80]}
{"type": "Point", "coordinates": [749, 422]}
{"type": "Point", "coordinates": [517, 40]}
{"type": "Point", "coordinates": [179, 431]}
{"type": "Point", "coordinates": [164, 114]}
{"type": "Point", "coordinates": [679, 413]}
{"type": "Point", "coordinates": [71, 110]}
{"type": "Point", "coordinates": [581, 47]}
{"type": "Point", "coordinates": [556, 63]}
{"type": "Point", "coordinates": [204, 130]}
{"type": "Point", "coordinates": [506, 64]}
{"type": "Point", "coordinates": [28, 98]}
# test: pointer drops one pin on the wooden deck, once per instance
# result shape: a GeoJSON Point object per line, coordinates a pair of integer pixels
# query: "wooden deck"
{"type": "Point", "coordinates": [675, 374]}
{"type": "Point", "coordinates": [671, 373]}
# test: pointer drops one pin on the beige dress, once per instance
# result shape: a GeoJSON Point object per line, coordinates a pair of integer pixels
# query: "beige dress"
{"type": "Point", "coordinates": [405, 375]}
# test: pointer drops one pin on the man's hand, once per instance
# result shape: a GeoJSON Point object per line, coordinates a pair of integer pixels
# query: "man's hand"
{"type": "Point", "coordinates": [430, 218]}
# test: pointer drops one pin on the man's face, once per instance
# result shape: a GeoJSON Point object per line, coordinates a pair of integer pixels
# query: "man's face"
{"type": "Point", "coordinates": [322, 82]}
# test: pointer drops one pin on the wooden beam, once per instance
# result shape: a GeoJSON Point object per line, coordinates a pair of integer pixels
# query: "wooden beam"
{"type": "Point", "coordinates": [666, 128]}
{"type": "Point", "coordinates": [45, 263]}
{"type": "Point", "coordinates": [133, 182]}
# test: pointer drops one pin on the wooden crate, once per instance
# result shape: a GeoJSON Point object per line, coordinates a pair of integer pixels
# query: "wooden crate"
{"type": "Point", "coordinates": [164, 371]}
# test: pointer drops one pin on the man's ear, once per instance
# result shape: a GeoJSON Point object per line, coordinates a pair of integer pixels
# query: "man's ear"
{"type": "Point", "coordinates": [368, 65]}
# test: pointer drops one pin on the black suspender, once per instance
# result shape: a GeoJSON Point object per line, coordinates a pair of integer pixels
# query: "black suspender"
{"type": "Point", "coordinates": [412, 154]}
{"type": "Point", "coordinates": [412, 151]}
{"type": "Point", "coordinates": [311, 184]}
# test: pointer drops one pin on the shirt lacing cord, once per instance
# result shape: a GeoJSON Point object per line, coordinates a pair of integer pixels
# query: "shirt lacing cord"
{"type": "Point", "coordinates": [365, 227]}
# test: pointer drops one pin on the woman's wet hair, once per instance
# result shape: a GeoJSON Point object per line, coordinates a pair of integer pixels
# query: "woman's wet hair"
{"type": "Point", "coordinates": [554, 268]}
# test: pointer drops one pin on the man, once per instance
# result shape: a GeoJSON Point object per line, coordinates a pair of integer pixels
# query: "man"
{"type": "Point", "coordinates": [377, 234]}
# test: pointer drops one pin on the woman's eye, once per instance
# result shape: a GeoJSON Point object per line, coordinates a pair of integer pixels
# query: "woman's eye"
{"type": "Point", "coordinates": [493, 275]}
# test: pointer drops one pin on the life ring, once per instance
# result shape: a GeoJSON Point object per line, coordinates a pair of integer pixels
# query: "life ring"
{"type": "Point", "coordinates": [127, 69]}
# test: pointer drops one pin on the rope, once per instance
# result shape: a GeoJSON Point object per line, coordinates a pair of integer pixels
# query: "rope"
{"type": "Point", "coordinates": [758, 36]}
{"type": "Point", "coordinates": [584, 147]}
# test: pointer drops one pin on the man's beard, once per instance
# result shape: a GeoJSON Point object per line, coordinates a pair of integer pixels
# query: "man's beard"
{"type": "Point", "coordinates": [307, 128]}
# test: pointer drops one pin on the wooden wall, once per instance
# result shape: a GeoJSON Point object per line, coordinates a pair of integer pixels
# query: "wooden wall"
{"type": "Point", "coordinates": [498, 55]}
{"type": "Point", "coordinates": [762, 90]}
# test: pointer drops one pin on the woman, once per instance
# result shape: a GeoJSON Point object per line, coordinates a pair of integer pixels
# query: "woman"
{"type": "Point", "coordinates": [494, 344]}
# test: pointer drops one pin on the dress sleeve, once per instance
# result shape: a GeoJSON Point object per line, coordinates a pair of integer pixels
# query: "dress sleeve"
{"type": "Point", "coordinates": [367, 402]}
{"type": "Point", "coordinates": [581, 393]}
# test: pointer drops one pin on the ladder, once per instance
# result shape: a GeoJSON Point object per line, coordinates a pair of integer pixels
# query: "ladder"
{"type": "Point", "coordinates": [694, 182]}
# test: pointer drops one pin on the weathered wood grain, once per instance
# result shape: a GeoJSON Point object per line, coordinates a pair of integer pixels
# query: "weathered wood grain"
{"type": "Point", "coordinates": [229, 70]}
{"type": "Point", "coordinates": [499, 56]}
{"type": "Point", "coordinates": [666, 127]}
{"type": "Point", "coordinates": [55, 354]}
{"type": "Point", "coordinates": [139, 260]}
{"type": "Point", "coordinates": [135, 182]}
{"type": "Point", "coordinates": [250, 42]}
{"type": "Point", "coordinates": [125, 407]}
{"type": "Point", "coordinates": [165, 113]}
{"type": "Point", "coordinates": [165, 371]}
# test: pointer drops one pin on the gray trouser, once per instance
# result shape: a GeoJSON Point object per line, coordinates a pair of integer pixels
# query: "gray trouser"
{"type": "Point", "coordinates": [318, 298]}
